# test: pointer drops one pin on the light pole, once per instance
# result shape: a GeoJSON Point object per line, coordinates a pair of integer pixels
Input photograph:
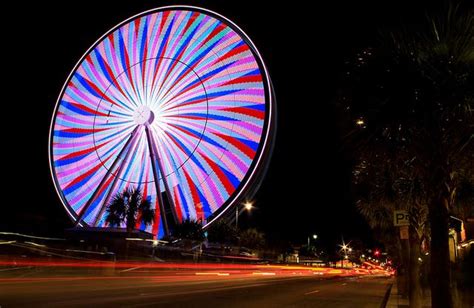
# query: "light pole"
{"type": "Point", "coordinates": [315, 236]}
{"type": "Point", "coordinates": [344, 248]}
{"type": "Point", "coordinates": [248, 206]}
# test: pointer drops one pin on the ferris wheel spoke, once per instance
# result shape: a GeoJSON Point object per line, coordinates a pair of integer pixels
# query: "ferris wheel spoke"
{"type": "Point", "coordinates": [184, 98]}
{"type": "Point", "coordinates": [184, 84]}
{"type": "Point", "coordinates": [156, 179]}
{"type": "Point", "coordinates": [159, 161]}
{"type": "Point", "coordinates": [170, 83]}
{"type": "Point", "coordinates": [86, 207]}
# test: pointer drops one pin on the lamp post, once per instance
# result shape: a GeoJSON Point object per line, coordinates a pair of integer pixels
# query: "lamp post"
{"type": "Point", "coordinates": [344, 248]}
{"type": "Point", "coordinates": [315, 236]}
{"type": "Point", "coordinates": [248, 206]}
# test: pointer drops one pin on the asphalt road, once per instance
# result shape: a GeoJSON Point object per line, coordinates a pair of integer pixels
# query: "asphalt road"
{"type": "Point", "coordinates": [134, 287]}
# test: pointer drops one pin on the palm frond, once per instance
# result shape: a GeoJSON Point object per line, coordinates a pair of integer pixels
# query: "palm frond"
{"type": "Point", "coordinates": [147, 214]}
{"type": "Point", "coordinates": [116, 211]}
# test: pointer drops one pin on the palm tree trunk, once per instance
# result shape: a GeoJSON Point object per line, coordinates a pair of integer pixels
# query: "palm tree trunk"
{"type": "Point", "coordinates": [405, 258]}
{"type": "Point", "coordinates": [441, 295]}
{"type": "Point", "coordinates": [438, 214]}
{"type": "Point", "coordinates": [414, 270]}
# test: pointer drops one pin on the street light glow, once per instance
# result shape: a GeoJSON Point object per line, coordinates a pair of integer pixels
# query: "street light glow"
{"type": "Point", "coordinates": [345, 247]}
{"type": "Point", "coordinates": [248, 205]}
{"type": "Point", "coordinates": [315, 236]}
{"type": "Point", "coordinates": [360, 122]}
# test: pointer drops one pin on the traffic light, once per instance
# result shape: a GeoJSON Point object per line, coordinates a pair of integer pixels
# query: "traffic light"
{"type": "Point", "coordinates": [377, 253]}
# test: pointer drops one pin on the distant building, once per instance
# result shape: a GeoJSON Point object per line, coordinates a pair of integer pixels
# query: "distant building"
{"type": "Point", "coordinates": [461, 237]}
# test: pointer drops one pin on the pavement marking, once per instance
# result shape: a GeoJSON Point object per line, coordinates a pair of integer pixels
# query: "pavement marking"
{"type": "Point", "coordinates": [14, 268]}
{"type": "Point", "coordinates": [315, 291]}
{"type": "Point", "coordinates": [344, 284]}
{"type": "Point", "coordinates": [211, 273]}
{"type": "Point", "coordinates": [130, 269]}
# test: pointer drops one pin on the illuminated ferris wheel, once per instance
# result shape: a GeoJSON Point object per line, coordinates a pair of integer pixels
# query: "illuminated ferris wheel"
{"type": "Point", "coordinates": [175, 101]}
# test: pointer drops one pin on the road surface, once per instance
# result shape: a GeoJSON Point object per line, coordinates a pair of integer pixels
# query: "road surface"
{"type": "Point", "coordinates": [29, 286]}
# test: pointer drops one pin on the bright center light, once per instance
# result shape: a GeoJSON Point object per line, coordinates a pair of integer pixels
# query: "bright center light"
{"type": "Point", "coordinates": [143, 115]}
{"type": "Point", "coordinates": [248, 206]}
{"type": "Point", "coordinates": [360, 122]}
{"type": "Point", "coordinates": [315, 236]}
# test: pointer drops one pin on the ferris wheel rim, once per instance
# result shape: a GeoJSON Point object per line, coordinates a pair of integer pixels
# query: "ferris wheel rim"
{"type": "Point", "coordinates": [267, 132]}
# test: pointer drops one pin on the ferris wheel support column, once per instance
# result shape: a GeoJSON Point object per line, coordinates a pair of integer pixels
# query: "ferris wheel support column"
{"type": "Point", "coordinates": [116, 178]}
{"type": "Point", "coordinates": [157, 182]}
{"type": "Point", "coordinates": [96, 192]}
{"type": "Point", "coordinates": [165, 180]}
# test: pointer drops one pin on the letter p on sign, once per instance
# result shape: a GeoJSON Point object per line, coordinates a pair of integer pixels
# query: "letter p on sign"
{"type": "Point", "coordinates": [400, 218]}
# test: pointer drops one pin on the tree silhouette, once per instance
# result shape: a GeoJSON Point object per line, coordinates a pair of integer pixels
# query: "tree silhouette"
{"type": "Point", "coordinates": [385, 184]}
{"type": "Point", "coordinates": [189, 230]}
{"type": "Point", "coordinates": [129, 207]}
{"type": "Point", "coordinates": [412, 93]}
{"type": "Point", "coordinates": [252, 238]}
{"type": "Point", "coordinates": [222, 232]}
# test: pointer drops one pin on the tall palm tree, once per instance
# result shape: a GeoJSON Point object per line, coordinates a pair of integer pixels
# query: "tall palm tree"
{"type": "Point", "coordinates": [414, 90]}
{"type": "Point", "coordinates": [130, 207]}
{"type": "Point", "coordinates": [384, 184]}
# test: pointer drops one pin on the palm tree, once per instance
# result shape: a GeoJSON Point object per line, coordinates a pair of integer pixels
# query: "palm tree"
{"type": "Point", "coordinates": [383, 186]}
{"type": "Point", "coordinates": [414, 92]}
{"type": "Point", "coordinates": [189, 230]}
{"type": "Point", "coordinates": [130, 207]}
{"type": "Point", "coordinates": [222, 232]}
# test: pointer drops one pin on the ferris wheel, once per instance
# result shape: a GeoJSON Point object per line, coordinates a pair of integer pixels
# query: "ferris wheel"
{"type": "Point", "coordinates": [175, 101]}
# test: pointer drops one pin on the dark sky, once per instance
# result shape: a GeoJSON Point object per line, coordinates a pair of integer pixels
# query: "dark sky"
{"type": "Point", "coordinates": [307, 187]}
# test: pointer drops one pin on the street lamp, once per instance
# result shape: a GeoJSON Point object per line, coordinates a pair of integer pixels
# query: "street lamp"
{"type": "Point", "coordinates": [315, 236]}
{"type": "Point", "coordinates": [360, 122]}
{"type": "Point", "coordinates": [247, 205]}
{"type": "Point", "coordinates": [345, 248]}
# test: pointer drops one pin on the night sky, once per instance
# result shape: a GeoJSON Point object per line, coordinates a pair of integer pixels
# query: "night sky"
{"type": "Point", "coordinates": [307, 187]}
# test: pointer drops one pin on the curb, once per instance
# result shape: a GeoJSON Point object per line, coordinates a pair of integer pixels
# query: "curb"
{"type": "Point", "coordinates": [386, 296]}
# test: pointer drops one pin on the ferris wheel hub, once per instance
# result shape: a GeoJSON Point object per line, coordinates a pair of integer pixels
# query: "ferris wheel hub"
{"type": "Point", "coordinates": [143, 115]}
